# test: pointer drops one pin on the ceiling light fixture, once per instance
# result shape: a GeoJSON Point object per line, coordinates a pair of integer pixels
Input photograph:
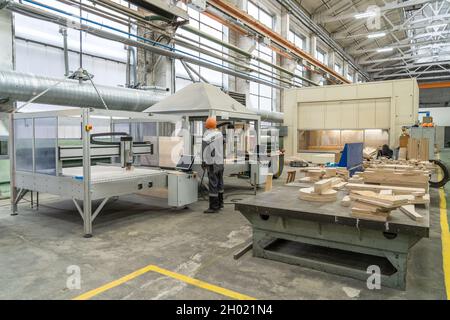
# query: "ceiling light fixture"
{"type": "Point", "coordinates": [385, 49]}
{"type": "Point", "coordinates": [376, 35]}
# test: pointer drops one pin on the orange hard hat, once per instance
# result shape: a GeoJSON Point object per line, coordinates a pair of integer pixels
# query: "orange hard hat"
{"type": "Point", "coordinates": [211, 123]}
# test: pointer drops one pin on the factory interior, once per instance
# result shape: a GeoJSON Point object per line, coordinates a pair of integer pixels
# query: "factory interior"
{"type": "Point", "coordinates": [224, 150]}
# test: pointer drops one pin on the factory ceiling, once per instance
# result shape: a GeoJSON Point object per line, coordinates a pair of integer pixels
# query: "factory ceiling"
{"type": "Point", "coordinates": [391, 39]}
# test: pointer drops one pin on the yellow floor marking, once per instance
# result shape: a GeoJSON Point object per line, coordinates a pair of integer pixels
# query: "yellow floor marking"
{"type": "Point", "coordinates": [113, 284]}
{"type": "Point", "coordinates": [174, 275]}
{"type": "Point", "coordinates": [445, 235]}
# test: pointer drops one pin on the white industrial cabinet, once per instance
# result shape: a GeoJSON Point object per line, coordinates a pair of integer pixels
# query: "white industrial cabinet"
{"type": "Point", "coordinates": [386, 105]}
{"type": "Point", "coordinates": [183, 188]}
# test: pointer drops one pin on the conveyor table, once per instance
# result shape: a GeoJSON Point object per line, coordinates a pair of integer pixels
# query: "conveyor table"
{"type": "Point", "coordinates": [324, 236]}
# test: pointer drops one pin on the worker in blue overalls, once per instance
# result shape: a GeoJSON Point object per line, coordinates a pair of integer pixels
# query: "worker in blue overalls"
{"type": "Point", "coordinates": [212, 163]}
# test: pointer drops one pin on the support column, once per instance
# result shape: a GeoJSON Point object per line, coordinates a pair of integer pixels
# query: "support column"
{"type": "Point", "coordinates": [7, 62]}
{"type": "Point", "coordinates": [87, 201]}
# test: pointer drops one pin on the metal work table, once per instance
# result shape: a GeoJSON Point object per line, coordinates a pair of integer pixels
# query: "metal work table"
{"type": "Point", "coordinates": [325, 237]}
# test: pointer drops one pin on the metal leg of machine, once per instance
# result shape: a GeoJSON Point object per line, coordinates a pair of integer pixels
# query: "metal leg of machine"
{"type": "Point", "coordinates": [329, 239]}
{"type": "Point", "coordinates": [87, 203]}
{"type": "Point", "coordinates": [262, 241]}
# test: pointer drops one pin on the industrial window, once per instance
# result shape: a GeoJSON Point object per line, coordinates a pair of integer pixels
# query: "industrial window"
{"type": "Point", "coordinates": [350, 76]}
{"type": "Point", "coordinates": [213, 28]}
{"type": "Point", "coordinates": [261, 95]}
{"type": "Point", "coordinates": [300, 70]}
{"type": "Point", "coordinates": [338, 68]}
{"type": "Point", "coordinates": [259, 14]}
{"type": "Point", "coordinates": [297, 39]}
{"type": "Point", "coordinates": [321, 56]}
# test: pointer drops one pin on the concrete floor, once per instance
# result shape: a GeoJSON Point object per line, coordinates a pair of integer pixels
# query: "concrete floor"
{"type": "Point", "coordinates": [36, 249]}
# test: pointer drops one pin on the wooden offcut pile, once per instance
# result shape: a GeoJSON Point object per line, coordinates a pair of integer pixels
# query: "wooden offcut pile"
{"type": "Point", "coordinates": [374, 206]}
{"type": "Point", "coordinates": [396, 177]}
{"type": "Point", "coordinates": [410, 173]}
{"type": "Point", "coordinates": [375, 202]}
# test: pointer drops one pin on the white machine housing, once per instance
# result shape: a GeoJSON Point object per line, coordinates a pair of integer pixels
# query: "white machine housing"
{"type": "Point", "coordinates": [43, 161]}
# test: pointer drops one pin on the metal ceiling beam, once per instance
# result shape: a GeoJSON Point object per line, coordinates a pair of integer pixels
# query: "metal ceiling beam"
{"type": "Point", "coordinates": [412, 73]}
{"type": "Point", "coordinates": [398, 4]}
{"type": "Point", "coordinates": [402, 44]}
{"type": "Point", "coordinates": [406, 57]}
{"type": "Point", "coordinates": [409, 66]}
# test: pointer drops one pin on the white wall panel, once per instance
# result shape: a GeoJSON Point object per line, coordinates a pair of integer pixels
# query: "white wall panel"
{"type": "Point", "coordinates": [332, 115]}
{"type": "Point", "coordinates": [383, 113]}
{"type": "Point", "coordinates": [349, 115]}
{"type": "Point", "coordinates": [366, 114]}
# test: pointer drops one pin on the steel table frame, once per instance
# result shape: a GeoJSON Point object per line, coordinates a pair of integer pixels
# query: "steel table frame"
{"type": "Point", "coordinates": [281, 215]}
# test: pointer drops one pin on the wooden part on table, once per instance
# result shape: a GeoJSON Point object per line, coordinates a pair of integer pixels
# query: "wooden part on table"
{"type": "Point", "coordinates": [343, 173]}
{"type": "Point", "coordinates": [411, 212]}
{"type": "Point", "coordinates": [340, 185]}
{"type": "Point", "coordinates": [346, 201]}
{"type": "Point", "coordinates": [322, 186]}
{"type": "Point", "coordinates": [305, 179]}
{"type": "Point", "coordinates": [424, 153]}
{"type": "Point", "coordinates": [402, 152]}
{"type": "Point", "coordinates": [308, 194]}
{"type": "Point", "coordinates": [416, 200]}
{"type": "Point", "coordinates": [369, 152]}
{"type": "Point", "coordinates": [413, 149]}
{"type": "Point", "coordinates": [330, 172]}
{"type": "Point", "coordinates": [377, 188]}
{"type": "Point", "coordinates": [290, 176]}
{"type": "Point", "coordinates": [368, 212]}
{"type": "Point", "coordinates": [356, 179]}
{"type": "Point", "coordinates": [386, 201]}
{"type": "Point", "coordinates": [268, 186]}
{"type": "Point", "coordinates": [386, 192]}
{"type": "Point", "coordinates": [416, 179]}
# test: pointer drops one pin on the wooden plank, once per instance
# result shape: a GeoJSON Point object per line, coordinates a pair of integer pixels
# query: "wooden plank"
{"type": "Point", "coordinates": [402, 152]}
{"type": "Point", "coordinates": [268, 186]}
{"type": "Point", "coordinates": [372, 187]}
{"type": "Point", "coordinates": [339, 186]}
{"type": "Point", "coordinates": [368, 212]}
{"type": "Point", "coordinates": [330, 172]}
{"type": "Point", "coordinates": [322, 186]}
{"type": "Point", "coordinates": [308, 194]}
{"type": "Point", "coordinates": [411, 212]}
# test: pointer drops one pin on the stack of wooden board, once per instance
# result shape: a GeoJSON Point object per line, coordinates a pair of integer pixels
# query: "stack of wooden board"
{"type": "Point", "coordinates": [412, 195]}
{"type": "Point", "coordinates": [372, 187]}
{"type": "Point", "coordinates": [322, 191]}
{"type": "Point", "coordinates": [397, 177]}
{"type": "Point", "coordinates": [374, 206]}
{"type": "Point", "coordinates": [418, 149]}
{"type": "Point", "coordinates": [399, 164]}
